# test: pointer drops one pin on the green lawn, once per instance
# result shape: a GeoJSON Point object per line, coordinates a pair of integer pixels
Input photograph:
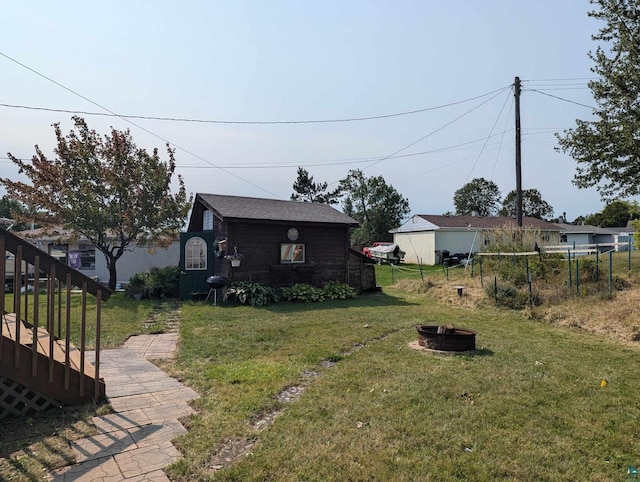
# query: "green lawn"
{"type": "Point", "coordinates": [528, 406]}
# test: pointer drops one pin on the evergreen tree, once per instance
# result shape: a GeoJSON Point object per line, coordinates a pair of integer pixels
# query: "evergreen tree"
{"type": "Point", "coordinates": [308, 191]}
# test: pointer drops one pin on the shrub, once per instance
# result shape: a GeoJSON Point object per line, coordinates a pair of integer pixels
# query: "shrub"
{"type": "Point", "coordinates": [335, 290]}
{"type": "Point", "coordinates": [303, 293]}
{"type": "Point", "coordinates": [164, 282]}
{"type": "Point", "coordinates": [137, 285]}
{"type": "Point", "coordinates": [588, 269]}
{"type": "Point", "coordinates": [253, 294]}
{"type": "Point", "coordinates": [509, 296]}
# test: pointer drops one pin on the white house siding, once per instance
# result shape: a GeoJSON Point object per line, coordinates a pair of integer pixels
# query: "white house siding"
{"type": "Point", "coordinates": [419, 247]}
{"type": "Point", "coordinates": [138, 261]}
{"type": "Point", "coordinates": [458, 241]}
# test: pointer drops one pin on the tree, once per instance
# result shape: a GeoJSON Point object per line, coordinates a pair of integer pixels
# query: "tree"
{"type": "Point", "coordinates": [375, 204]}
{"type": "Point", "coordinates": [607, 150]}
{"type": "Point", "coordinates": [107, 190]}
{"type": "Point", "coordinates": [614, 214]}
{"type": "Point", "coordinates": [532, 205]}
{"type": "Point", "coordinates": [308, 191]}
{"type": "Point", "coordinates": [479, 196]}
{"type": "Point", "coordinates": [9, 209]}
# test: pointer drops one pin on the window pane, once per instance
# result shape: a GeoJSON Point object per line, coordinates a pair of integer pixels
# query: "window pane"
{"type": "Point", "coordinates": [292, 253]}
{"type": "Point", "coordinates": [195, 254]}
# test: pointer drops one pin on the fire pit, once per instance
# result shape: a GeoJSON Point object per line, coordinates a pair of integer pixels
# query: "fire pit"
{"type": "Point", "coordinates": [446, 337]}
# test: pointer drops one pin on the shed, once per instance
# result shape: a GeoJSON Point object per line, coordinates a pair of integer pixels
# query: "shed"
{"type": "Point", "coordinates": [280, 243]}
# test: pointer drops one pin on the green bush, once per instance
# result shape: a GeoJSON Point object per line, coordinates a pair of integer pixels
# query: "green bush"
{"type": "Point", "coordinates": [509, 296]}
{"type": "Point", "coordinates": [253, 294]}
{"type": "Point", "coordinates": [164, 282]}
{"type": "Point", "coordinates": [157, 283]}
{"type": "Point", "coordinates": [302, 293]}
{"type": "Point", "coordinates": [335, 290]}
{"type": "Point", "coordinates": [137, 285]}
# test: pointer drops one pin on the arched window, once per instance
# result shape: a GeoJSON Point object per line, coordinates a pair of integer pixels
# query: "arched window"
{"type": "Point", "coordinates": [195, 253]}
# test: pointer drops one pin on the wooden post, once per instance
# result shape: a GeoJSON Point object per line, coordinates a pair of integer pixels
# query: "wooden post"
{"type": "Point", "coordinates": [516, 90]}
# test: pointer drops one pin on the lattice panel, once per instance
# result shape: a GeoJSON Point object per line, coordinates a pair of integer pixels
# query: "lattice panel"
{"type": "Point", "coordinates": [18, 400]}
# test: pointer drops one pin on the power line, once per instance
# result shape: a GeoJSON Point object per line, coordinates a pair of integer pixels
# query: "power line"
{"type": "Point", "coordinates": [136, 125]}
{"type": "Point", "coordinates": [560, 80]}
{"type": "Point", "coordinates": [213, 121]}
{"type": "Point", "coordinates": [563, 99]}
{"type": "Point", "coordinates": [437, 130]}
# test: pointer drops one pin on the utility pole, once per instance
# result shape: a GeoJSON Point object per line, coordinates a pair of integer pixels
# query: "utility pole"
{"type": "Point", "coordinates": [516, 90]}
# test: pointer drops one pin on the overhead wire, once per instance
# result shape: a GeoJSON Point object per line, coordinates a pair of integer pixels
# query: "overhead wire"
{"type": "Point", "coordinates": [495, 164]}
{"type": "Point", "coordinates": [432, 132]}
{"type": "Point", "coordinates": [563, 99]}
{"type": "Point", "coordinates": [138, 126]}
{"type": "Point", "coordinates": [244, 122]}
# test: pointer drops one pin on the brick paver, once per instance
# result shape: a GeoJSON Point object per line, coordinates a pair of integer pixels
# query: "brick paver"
{"type": "Point", "coordinates": [133, 444]}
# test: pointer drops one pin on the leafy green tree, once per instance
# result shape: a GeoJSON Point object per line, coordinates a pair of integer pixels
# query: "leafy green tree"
{"type": "Point", "coordinates": [532, 205]}
{"type": "Point", "coordinates": [308, 191]}
{"type": "Point", "coordinates": [107, 190]}
{"type": "Point", "coordinates": [614, 214]}
{"type": "Point", "coordinates": [607, 150]}
{"type": "Point", "coordinates": [375, 204]}
{"type": "Point", "coordinates": [480, 196]}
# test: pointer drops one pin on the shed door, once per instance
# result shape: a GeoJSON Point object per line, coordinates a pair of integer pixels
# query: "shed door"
{"type": "Point", "coordinates": [196, 262]}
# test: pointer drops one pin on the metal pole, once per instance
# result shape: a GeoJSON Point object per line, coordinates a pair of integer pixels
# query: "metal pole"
{"type": "Point", "coordinates": [529, 281]}
{"type": "Point", "coordinates": [577, 277]}
{"type": "Point", "coordinates": [569, 264]}
{"type": "Point", "coordinates": [597, 263]}
{"type": "Point", "coordinates": [481, 280]}
{"type": "Point", "coordinates": [610, 269]}
{"type": "Point", "coordinates": [393, 275]}
{"type": "Point", "coordinates": [629, 248]}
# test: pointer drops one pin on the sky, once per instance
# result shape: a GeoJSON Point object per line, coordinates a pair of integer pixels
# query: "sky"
{"type": "Point", "coordinates": [253, 63]}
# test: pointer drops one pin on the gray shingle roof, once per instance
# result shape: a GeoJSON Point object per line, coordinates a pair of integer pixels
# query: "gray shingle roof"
{"type": "Point", "coordinates": [238, 207]}
{"type": "Point", "coordinates": [488, 222]}
{"type": "Point", "coordinates": [584, 228]}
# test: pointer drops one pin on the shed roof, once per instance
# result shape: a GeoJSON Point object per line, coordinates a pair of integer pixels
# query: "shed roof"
{"type": "Point", "coordinates": [237, 207]}
{"type": "Point", "coordinates": [583, 229]}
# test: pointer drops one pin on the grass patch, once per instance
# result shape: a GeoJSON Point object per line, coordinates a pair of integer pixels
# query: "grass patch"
{"type": "Point", "coordinates": [528, 405]}
{"type": "Point", "coordinates": [121, 318]}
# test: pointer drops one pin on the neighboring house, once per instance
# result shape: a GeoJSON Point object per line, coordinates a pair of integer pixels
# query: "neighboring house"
{"type": "Point", "coordinates": [426, 237]}
{"type": "Point", "coordinates": [280, 243]}
{"type": "Point", "coordinates": [579, 236]}
{"type": "Point", "coordinates": [83, 256]}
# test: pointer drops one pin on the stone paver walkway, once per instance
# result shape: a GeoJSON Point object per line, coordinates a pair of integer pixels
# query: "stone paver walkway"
{"type": "Point", "coordinates": [134, 443]}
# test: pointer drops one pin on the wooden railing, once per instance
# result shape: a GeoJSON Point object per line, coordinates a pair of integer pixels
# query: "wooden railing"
{"type": "Point", "coordinates": [42, 288]}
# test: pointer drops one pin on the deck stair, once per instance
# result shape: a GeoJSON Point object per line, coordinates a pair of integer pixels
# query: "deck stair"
{"type": "Point", "coordinates": [39, 366]}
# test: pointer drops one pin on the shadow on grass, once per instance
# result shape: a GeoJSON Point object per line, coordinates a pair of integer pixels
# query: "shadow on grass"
{"type": "Point", "coordinates": [43, 438]}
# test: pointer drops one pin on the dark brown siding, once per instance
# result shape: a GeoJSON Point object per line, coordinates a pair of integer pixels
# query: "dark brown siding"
{"type": "Point", "coordinates": [362, 274]}
{"type": "Point", "coordinates": [325, 253]}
